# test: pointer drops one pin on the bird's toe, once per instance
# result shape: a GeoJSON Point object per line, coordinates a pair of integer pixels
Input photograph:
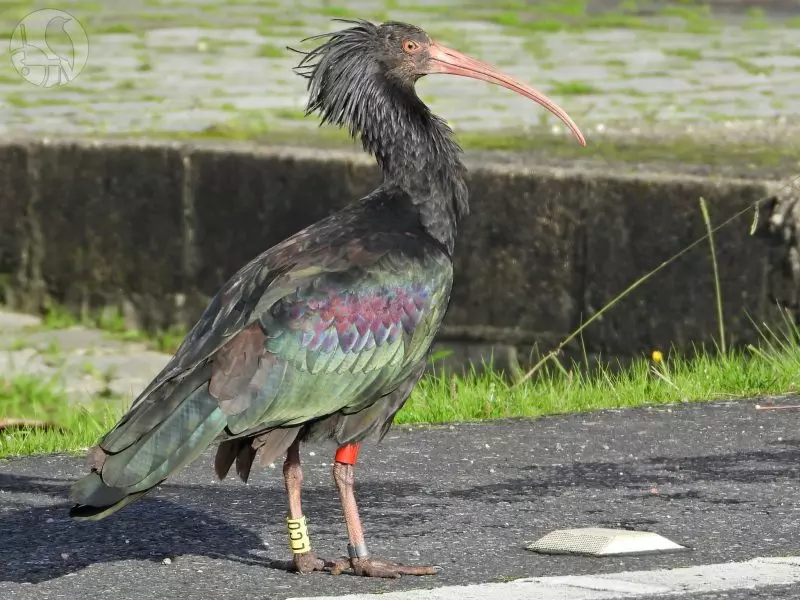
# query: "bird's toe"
{"type": "Point", "coordinates": [308, 562]}
{"type": "Point", "coordinates": [367, 567]}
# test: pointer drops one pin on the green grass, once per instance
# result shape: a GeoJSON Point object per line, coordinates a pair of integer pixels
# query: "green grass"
{"type": "Point", "coordinates": [16, 100]}
{"type": "Point", "coordinates": [615, 63]}
{"type": "Point", "coordinates": [756, 18]}
{"type": "Point", "coordinates": [618, 21]}
{"type": "Point", "coordinates": [772, 369]}
{"type": "Point", "coordinates": [572, 88]}
{"type": "Point", "coordinates": [289, 114]}
{"type": "Point", "coordinates": [75, 427]}
{"type": "Point", "coordinates": [272, 51]}
{"type": "Point", "coordinates": [684, 53]}
{"type": "Point", "coordinates": [751, 67]}
{"type": "Point", "coordinates": [115, 28]}
{"type": "Point", "coordinates": [339, 12]}
{"type": "Point", "coordinates": [706, 376]}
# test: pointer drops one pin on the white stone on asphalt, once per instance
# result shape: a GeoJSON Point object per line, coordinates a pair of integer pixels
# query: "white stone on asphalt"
{"type": "Point", "coordinates": [602, 541]}
{"type": "Point", "coordinates": [752, 574]}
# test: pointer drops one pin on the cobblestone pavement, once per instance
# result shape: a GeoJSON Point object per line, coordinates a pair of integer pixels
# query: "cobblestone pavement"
{"type": "Point", "coordinates": [167, 66]}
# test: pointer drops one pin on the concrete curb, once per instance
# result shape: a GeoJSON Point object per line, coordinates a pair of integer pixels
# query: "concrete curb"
{"type": "Point", "coordinates": [156, 227]}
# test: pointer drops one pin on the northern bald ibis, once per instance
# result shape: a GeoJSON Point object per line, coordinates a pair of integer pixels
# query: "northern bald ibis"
{"type": "Point", "coordinates": [324, 335]}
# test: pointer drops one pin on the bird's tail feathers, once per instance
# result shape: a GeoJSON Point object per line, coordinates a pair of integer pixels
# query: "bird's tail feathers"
{"type": "Point", "coordinates": [173, 440]}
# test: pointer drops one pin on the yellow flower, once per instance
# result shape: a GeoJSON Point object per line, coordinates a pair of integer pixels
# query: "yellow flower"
{"type": "Point", "coordinates": [657, 356]}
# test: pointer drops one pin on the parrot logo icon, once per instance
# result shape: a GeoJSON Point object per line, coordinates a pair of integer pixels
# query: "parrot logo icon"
{"type": "Point", "coordinates": [49, 48]}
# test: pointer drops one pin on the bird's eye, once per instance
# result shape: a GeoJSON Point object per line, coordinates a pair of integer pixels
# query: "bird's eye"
{"type": "Point", "coordinates": [410, 46]}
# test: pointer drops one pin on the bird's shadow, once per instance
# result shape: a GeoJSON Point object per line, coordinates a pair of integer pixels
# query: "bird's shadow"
{"type": "Point", "coordinates": [43, 543]}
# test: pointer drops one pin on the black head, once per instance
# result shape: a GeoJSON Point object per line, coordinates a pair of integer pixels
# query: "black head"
{"type": "Point", "coordinates": [400, 50]}
{"type": "Point", "coordinates": [353, 62]}
{"type": "Point", "coordinates": [396, 50]}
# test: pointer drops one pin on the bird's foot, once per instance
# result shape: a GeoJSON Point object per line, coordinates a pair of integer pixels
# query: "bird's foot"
{"type": "Point", "coordinates": [308, 562]}
{"type": "Point", "coordinates": [369, 567]}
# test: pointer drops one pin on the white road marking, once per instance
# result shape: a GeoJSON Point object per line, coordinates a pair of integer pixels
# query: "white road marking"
{"type": "Point", "coordinates": [758, 572]}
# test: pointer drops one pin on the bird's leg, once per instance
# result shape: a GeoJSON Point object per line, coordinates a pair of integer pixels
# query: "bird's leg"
{"type": "Point", "coordinates": [360, 561]}
{"type": "Point", "coordinates": [304, 561]}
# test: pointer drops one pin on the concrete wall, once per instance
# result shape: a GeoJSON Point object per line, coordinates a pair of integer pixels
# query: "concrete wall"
{"type": "Point", "coordinates": [158, 227]}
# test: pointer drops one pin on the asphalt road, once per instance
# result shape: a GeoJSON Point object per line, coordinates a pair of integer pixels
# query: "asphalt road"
{"type": "Point", "coordinates": [719, 478]}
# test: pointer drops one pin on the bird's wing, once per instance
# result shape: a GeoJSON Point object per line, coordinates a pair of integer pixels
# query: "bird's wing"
{"type": "Point", "coordinates": [285, 344]}
{"type": "Point", "coordinates": [339, 342]}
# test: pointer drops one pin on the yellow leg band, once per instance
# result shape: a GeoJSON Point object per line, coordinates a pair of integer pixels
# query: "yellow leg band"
{"type": "Point", "coordinates": [298, 535]}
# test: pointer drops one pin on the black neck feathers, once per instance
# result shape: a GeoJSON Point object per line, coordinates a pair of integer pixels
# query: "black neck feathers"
{"type": "Point", "coordinates": [414, 148]}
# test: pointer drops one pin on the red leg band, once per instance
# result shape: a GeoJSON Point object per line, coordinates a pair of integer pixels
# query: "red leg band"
{"type": "Point", "coordinates": [347, 454]}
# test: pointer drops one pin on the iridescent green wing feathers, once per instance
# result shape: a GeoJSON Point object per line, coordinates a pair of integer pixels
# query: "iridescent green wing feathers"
{"type": "Point", "coordinates": [282, 345]}
{"type": "Point", "coordinates": [341, 341]}
{"type": "Point", "coordinates": [292, 344]}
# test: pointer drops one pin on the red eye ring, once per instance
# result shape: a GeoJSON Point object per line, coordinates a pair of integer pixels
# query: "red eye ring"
{"type": "Point", "coordinates": [410, 46]}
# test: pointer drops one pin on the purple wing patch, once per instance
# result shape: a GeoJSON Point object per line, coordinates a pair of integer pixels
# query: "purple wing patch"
{"type": "Point", "coordinates": [354, 321]}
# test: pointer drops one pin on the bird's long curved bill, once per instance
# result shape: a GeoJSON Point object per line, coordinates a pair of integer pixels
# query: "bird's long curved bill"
{"type": "Point", "coordinates": [448, 61]}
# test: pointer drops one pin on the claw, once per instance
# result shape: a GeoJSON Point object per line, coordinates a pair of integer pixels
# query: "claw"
{"type": "Point", "coordinates": [340, 566]}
